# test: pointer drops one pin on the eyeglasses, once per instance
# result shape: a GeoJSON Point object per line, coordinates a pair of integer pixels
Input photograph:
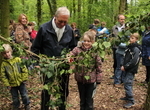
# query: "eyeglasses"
{"type": "Point", "coordinates": [61, 21]}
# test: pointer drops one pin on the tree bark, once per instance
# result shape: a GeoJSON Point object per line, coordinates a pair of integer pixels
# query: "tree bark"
{"type": "Point", "coordinates": [79, 10]}
{"type": "Point", "coordinates": [5, 18]}
{"type": "Point", "coordinates": [122, 6]}
{"type": "Point", "coordinates": [39, 12]}
{"type": "Point", "coordinates": [52, 7]}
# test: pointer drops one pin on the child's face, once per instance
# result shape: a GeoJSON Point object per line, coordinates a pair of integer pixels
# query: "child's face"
{"type": "Point", "coordinates": [87, 43]}
{"type": "Point", "coordinates": [7, 54]}
{"type": "Point", "coordinates": [132, 40]}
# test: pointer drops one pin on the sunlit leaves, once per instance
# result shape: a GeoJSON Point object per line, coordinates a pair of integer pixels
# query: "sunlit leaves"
{"type": "Point", "coordinates": [1, 49]}
{"type": "Point", "coordinates": [45, 87]}
{"type": "Point", "coordinates": [87, 77]}
{"type": "Point", "coordinates": [62, 71]}
{"type": "Point", "coordinates": [106, 44]}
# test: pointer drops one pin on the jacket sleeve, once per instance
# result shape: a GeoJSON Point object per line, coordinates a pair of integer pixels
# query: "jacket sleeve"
{"type": "Point", "coordinates": [148, 47]}
{"type": "Point", "coordinates": [24, 71]}
{"type": "Point", "coordinates": [98, 69]}
{"type": "Point", "coordinates": [3, 76]}
{"type": "Point", "coordinates": [36, 46]}
{"type": "Point", "coordinates": [72, 42]}
{"type": "Point", "coordinates": [135, 59]}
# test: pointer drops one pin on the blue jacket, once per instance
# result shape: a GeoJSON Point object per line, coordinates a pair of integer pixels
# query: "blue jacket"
{"type": "Point", "coordinates": [46, 41]}
{"type": "Point", "coordinates": [146, 48]}
{"type": "Point", "coordinates": [101, 28]}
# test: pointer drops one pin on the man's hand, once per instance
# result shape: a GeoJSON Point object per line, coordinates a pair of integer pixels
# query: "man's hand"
{"type": "Point", "coordinates": [37, 67]}
{"type": "Point", "coordinates": [122, 68]}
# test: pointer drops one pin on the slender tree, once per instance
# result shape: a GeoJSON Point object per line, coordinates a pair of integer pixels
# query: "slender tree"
{"type": "Point", "coordinates": [122, 6]}
{"type": "Point", "coordinates": [23, 4]}
{"type": "Point", "coordinates": [5, 18]}
{"type": "Point", "coordinates": [79, 10]}
{"type": "Point", "coordinates": [52, 6]}
{"type": "Point", "coordinates": [73, 10]}
{"type": "Point", "coordinates": [90, 5]}
{"type": "Point", "coordinates": [39, 12]}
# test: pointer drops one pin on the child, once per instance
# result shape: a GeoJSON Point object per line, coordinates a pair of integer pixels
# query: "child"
{"type": "Point", "coordinates": [14, 76]}
{"type": "Point", "coordinates": [86, 87]}
{"type": "Point", "coordinates": [130, 67]}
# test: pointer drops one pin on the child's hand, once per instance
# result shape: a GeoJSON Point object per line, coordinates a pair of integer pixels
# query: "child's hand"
{"type": "Point", "coordinates": [37, 67]}
{"type": "Point", "coordinates": [122, 68]}
{"type": "Point", "coordinates": [69, 59]}
{"type": "Point", "coordinates": [24, 82]}
{"type": "Point", "coordinates": [149, 57]}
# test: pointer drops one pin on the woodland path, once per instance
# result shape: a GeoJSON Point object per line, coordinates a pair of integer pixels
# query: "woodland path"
{"type": "Point", "coordinates": [106, 98]}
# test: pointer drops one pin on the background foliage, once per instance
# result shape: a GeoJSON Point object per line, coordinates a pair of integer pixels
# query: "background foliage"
{"type": "Point", "coordinates": [82, 11]}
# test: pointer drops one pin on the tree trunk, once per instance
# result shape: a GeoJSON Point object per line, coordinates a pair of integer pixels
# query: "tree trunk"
{"type": "Point", "coordinates": [79, 10]}
{"type": "Point", "coordinates": [23, 4]}
{"type": "Point", "coordinates": [39, 12]}
{"type": "Point", "coordinates": [5, 18]}
{"type": "Point", "coordinates": [52, 7]}
{"type": "Point", "coordinates": [73, 10]}
{"type": "Point", "coordinates": [122, 6]}
{"type": "Point", "coordinates": [90, 10]}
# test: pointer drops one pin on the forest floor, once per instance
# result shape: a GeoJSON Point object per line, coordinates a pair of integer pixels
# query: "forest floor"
{"type": "Point", "coordinates": [107, 96]}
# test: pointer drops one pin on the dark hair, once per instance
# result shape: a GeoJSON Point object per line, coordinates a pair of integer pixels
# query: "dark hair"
{"type": "Point", "coordinates": [96, 21]}
{"type": "Point", "coordinates": [73, 24]}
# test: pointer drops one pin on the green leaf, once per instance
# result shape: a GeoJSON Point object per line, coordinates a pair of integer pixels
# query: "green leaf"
{"type": "Point", "coordinates": [70, 71]}
{"type": "Point", "coordinates": [95, 44]}
{"type": "Point", "coordinates": [1, 49]}
{"type": "Point", "coordinates": [100, 46]}
{"type": "Point", "coordinates": [107, 44]}
{"type": "Point", "coordinates": [49, 74]}
{"type": "Point", "coordinates": [102, 54]}
{"type": "Point", "coordinates": [62, 72]}
{"type": "Point", "coordinates": [46, 87]}
{"type": "Point", "coordinates": [87, 77]}
{"type": "Point", "coordinates": [43, 70]}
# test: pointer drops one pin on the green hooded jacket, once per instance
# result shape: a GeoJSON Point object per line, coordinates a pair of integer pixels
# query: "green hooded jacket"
{"type": "Point", "coordinates": [13, 73]}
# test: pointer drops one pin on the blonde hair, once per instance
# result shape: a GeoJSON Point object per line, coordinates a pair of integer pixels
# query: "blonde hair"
{"type": "Point", "coordinates": [136, 35]}
{"type": "Point", "coordinates": [90, 34]}
{"type": "Point", "coordinates": [7, 47]}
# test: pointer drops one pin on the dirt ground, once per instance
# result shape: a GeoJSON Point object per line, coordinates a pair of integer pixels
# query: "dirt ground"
{"type": "Point", "coordinates": [107, 96]}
